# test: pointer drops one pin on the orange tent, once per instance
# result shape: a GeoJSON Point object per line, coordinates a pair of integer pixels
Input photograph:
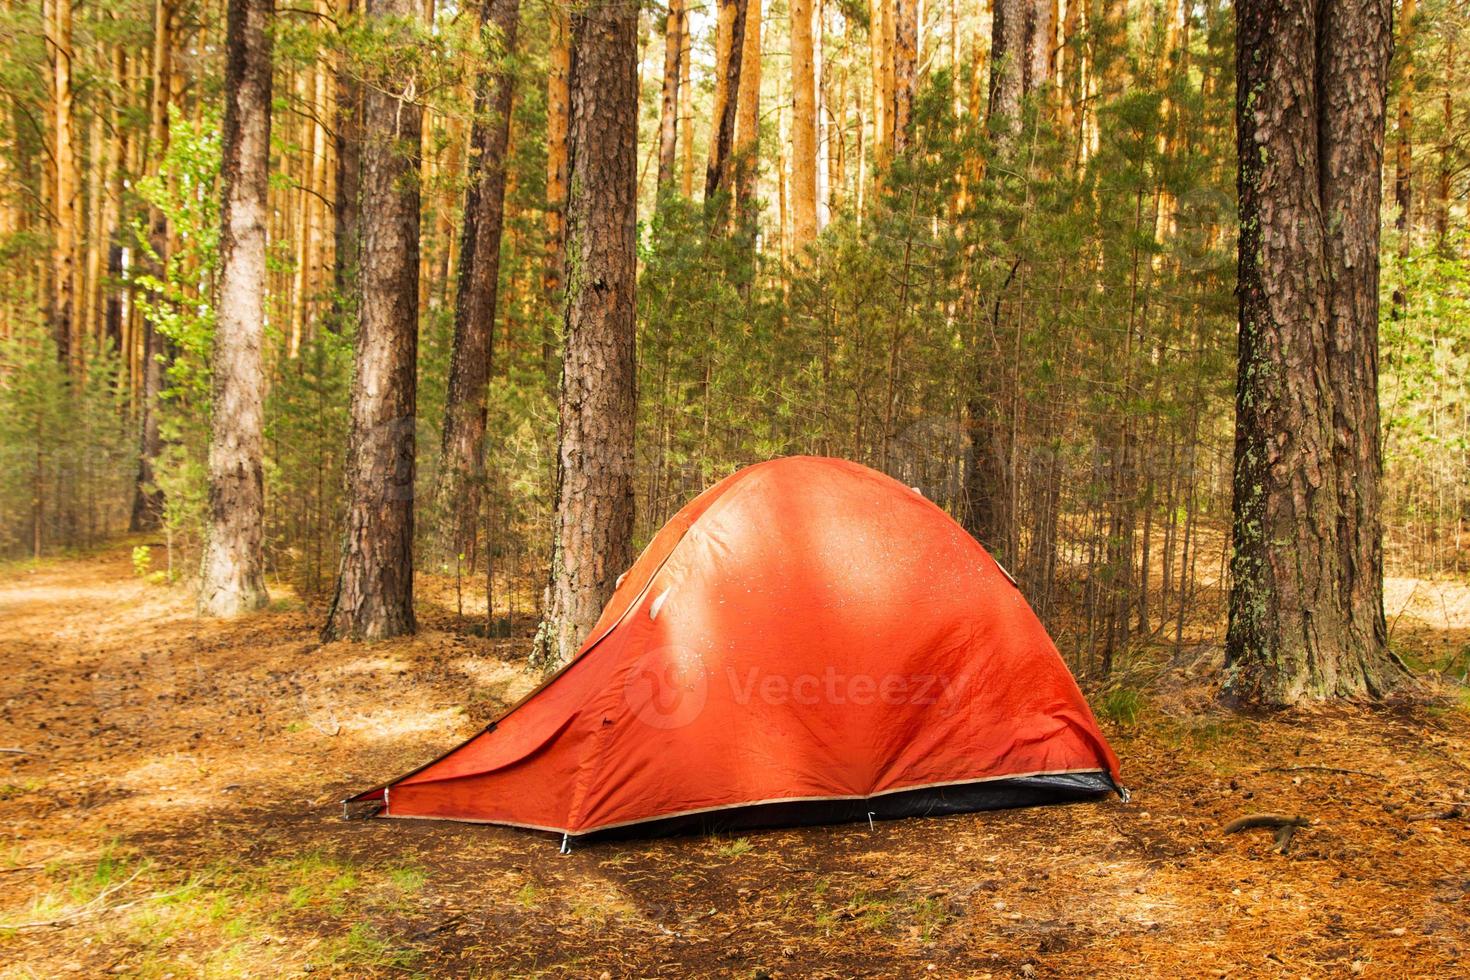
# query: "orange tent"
{"type": "Point", "coordinates": [807, 641]}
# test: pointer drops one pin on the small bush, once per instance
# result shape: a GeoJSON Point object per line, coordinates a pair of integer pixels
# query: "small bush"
{"type": "Point", "coordinates": [1122, 705]}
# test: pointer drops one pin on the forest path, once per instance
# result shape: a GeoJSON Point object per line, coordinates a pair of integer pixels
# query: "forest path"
{"type": "Point", "coordinates": [175, 812]}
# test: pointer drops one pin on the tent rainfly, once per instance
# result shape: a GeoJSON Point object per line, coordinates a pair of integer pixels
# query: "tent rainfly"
{"type": "Point", "coordinates": [808, 641]}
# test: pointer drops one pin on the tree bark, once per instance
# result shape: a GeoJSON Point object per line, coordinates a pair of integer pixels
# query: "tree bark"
{"type": "Point", "coordinates": [1403, 178]}
{"type": "Point", "coordinates": [1306, 600]}
{"type": "Point", "coordinates": [905, 64]}
{"type": "Point", "coordinates": [461, 471]}
{"type": "Point", "coordinates": [988, 513]}
{"type": "Point", "coordinates": [729, 52]}
{"type": "Point", "coordinates": [557, 80]}
{"type": "Point", "coordinates": [1040, 40]}
{"type": "Point", "coordinates": [66, 324]}
{"type": "Point", "coordinates": [148, 502]}
{"type": "Point", "coordinates": [232, 574]}
{"type": "Point", "coordinates": [748, 109]}
{"type": "Point", "coordinates": [686, 112]}
{"type": "Point", "coordinates": [668, 119]}
{"type": "Point", "coordinates": [1007, 70]}
{"type": "Point", "coordinates": [803, 127]}
{"type": "Point", "coordinates": [374, 597]}
{"type": "Point", "coordinates": [592, 543]}
{"type": "Point", "coordinates": [347, 202]}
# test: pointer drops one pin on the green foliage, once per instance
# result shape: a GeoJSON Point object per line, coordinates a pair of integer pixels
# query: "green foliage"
{"type": "Point", "coordinates": [178, 300]}
{"type": "Point", "coordinates": [1122, 705]}
{"type": "Point", "coordinates": [66, 446]}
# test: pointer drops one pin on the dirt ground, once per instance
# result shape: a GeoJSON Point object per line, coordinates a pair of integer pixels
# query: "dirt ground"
{"type": "Point", "coordinates": [172, 811]}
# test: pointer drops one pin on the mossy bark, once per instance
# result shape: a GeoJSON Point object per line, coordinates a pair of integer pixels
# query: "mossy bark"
{"type": "Point", "coordinates": [1306, 602]}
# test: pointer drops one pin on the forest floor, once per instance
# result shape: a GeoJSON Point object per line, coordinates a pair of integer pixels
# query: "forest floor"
{"type": "Point", "coordinates": [172, 810]}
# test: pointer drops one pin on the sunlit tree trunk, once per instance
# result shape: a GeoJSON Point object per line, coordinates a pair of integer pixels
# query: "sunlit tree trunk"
{"type": "Point", "coordinates": [1306, 600]}
{"type": "Point", "coordinates": [686, 113]}
{"type": "Point", "coordinates": [66, 324]}
{"type": "Point", "coordinates": [748, 111]}
{"type": "Point", "coordinates": [729, 52]}
{"type": "Point", "coordinates": [374, 597]}
{"type": "Point", "coordinates": [803, 127]}
{"type": "Point", "coordinates": [593, 526]}
{"type": "Point", "coordinates": [1446, 147]}
{"type": "Point", "coordinates": [905, 64]}
{"type": "Point", "coordinates": [1040, 37]}
{"type": "Point", "coordinates": [668, 119]}
{"type": "Point", "coordinates": [232, 573]}
{"type": "Point", "coordinates": [461, 470]}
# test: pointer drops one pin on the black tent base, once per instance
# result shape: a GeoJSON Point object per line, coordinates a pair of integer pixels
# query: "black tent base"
{"type": "Point", "coordinates": [995, 794]}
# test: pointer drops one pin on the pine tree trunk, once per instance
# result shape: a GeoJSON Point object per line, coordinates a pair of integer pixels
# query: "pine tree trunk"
{"type": "Point", "coordinates": [988, 513]}
{"type": "Point", "coordinates": [461, 471]}
{"type": "Point", "coordinates": [668, 119]}
{"type": "Point", "coordinates": [66, 324]}
{"type": "Point", "coordinates": [686, 112]}
{"type": "Point", "coordinates": [748, 109]}
{"type": "Point", "coordinates": [905, 64]}
{"type": "Point", "coordinates": [147, 511]}
{"type": "Point", "coordinates": [232, 574]}
{"type": "Point", "coordinates": [347, 198]}
{"type": "Point", "coordinates": [1306, 601]}
{"type": "Point", "coordinates": [557, 80]}
{"type": "Point", "coordinates": [374, 597]}
{"type": "Point", "coordinates": [1040, 36]}
{"type": "Point", "coordinates": [1403, 178]}
{"type": "Point", "coordinates": [729, 52]}
{"type": "Point", "coordinates": [879, 55]}
{"type": "Point", "coordinates": [1447, 147]}
{"type": "Point", "coordinates": [1007, 70]}
{"type": "Point", "coordinates": [803, 127]}
{"type": "Point", "coordinates": [592, 543]}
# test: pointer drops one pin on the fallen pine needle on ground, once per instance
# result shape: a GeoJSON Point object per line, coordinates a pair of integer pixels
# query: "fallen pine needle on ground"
{"type": "Point", "coordinates": [190, 772]}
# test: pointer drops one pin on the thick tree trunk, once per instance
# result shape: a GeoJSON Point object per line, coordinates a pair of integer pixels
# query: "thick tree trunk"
{"type": "Point", "coordinates": [1306, 601]}
{"type": "Point", "coordinates": [1356, 48]}
{"type": "Point", "coordinates": [668, 118]}
{"type": "Point", "coordinates": [1040, 40]}
{"type": "Point", "coordinates": [1007, 70]}
{"type": "Point", "coordinates": [461, 471]}
{"type": "Point", "coordinates": [803, 127]}
{"type": "Point", "coordinates": [592, 542]}
{"type": "Point", "coordinates": [374, 597]}
{"type": "Point", "coordinates": [232, 574]}
{"type": "Point", "coordinates": [730, 50]}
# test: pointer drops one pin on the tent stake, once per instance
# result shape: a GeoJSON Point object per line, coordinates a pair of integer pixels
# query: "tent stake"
{"type": "Point", "coordinates": [870, 820]}
{"type": "Point", "coordinates": [566, 843]}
